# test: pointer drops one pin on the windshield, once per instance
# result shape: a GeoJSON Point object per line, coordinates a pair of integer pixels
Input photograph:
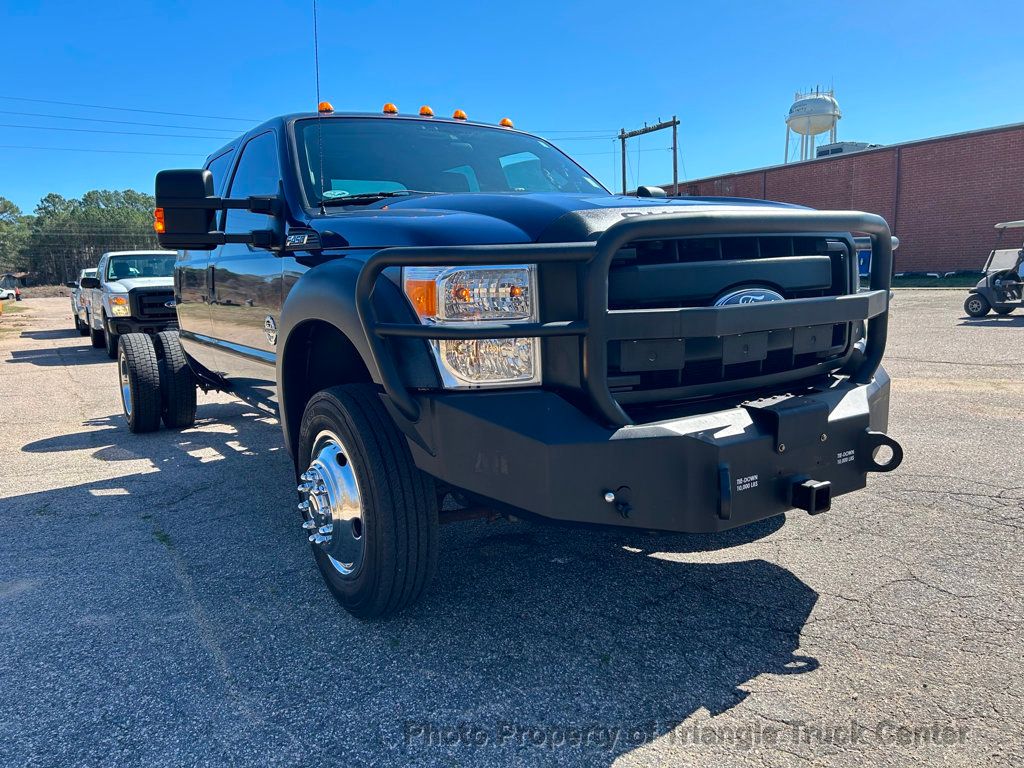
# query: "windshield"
{"type": "Point", "coordinates": [362, 156]}
{"type": "Point", "coordinates": [140, 265]}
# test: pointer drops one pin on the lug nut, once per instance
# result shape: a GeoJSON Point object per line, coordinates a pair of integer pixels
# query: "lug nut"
{"type": "Point", "coordinates": [305, 488]}
{"type": "Point", "coordinates": [316, 538]}
{"type": "Point", "coordinates": [309, 525]}
{"type": "Point", "coordinates": [326, 529]}
{"type": "Point", "coordinates": [303, 506]}
{"type": "Point", "coordinates": [307, 476]}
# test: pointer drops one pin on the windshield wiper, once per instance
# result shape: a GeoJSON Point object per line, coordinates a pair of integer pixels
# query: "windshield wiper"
{"type": "Point", "coordinates": [371, 197]}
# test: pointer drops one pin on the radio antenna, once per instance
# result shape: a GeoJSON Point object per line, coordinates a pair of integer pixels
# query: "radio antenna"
{"type": "Point", "coordinates": [319, 114]}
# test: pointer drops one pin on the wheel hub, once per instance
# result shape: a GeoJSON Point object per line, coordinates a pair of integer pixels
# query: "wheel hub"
{"type": "Point", "coordinates": [331, 504]}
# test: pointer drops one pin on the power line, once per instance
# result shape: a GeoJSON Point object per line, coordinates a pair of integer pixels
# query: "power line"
{"type": "Point", "coordinates": [128, 109]}
{"type": "Point", "coordinates": [615, 152]}
{"type": "Point", "coordinates": [105, 151]}
{"type": "Point", "coordinates": [113, 133]}
{"type": "Point", "coordinates": [233, 131]}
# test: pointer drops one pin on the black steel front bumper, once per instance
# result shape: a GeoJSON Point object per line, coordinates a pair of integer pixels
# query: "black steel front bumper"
{"type": "Point", "coordinates": [537, 451]}
{"type": "Point", "coordinates": [532, 450]}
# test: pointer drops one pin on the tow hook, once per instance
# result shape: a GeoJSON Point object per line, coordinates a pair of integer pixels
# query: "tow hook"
{"type": "Point", "coordinates": [873, 457]}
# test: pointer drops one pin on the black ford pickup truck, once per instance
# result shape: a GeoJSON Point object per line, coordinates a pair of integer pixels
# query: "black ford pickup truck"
{"type": "Point", "coordinates": [439, 307]}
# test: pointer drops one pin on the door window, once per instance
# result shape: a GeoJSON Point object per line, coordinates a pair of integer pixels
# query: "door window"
{"type": "Point", "coordinates": [219, 167]}
{"type": "Point", "coordinates": [258, 173]}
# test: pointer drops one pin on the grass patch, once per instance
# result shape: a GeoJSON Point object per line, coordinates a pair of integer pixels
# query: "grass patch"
{"type": "Point", "coordinates": [930, 282]}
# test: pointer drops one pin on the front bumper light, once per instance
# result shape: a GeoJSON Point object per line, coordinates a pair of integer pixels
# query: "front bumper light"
{"type": "Point", "coordinates": [119, 306]}
{"type": "Point", "coordinates": [474, 296]}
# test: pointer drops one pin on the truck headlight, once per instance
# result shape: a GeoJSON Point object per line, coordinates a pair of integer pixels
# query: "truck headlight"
{"type": "Point", "coordinates": [471, 297]}
{"type": "Point", "coordinates": [119, 306]}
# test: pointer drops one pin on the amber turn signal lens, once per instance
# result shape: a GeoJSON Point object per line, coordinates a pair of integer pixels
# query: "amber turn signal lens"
{"type": "Point", "coordinates": [505, 122]}
{"type": "Point", "coordinates": [426, 111]}
{"type": "Point", "coordinates": [390, 109]}
{"type": "Point", "coordinates": [458, 114]}
{"type": "Point", "coordinates": [324, 106]}
{"type": "Point", "coordinates": [423, 295]}
{"type": "Point", "coordinates": [158, 221]}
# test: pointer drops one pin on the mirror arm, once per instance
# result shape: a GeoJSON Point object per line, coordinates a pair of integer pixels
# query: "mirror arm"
{"type": "Point", "coordinates": [271, 206]}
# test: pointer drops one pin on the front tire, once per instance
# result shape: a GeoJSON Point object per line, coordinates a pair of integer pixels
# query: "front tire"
{"type": "Point", "coordinates": [370, 512]}
{"type": "Point", "coordinates": [98, 338]}
{"type": "Point", "coordinates": [976, 305]}
{"type": "Point", "coordinates": [139, 378]}
{"type": "Point", "coordinates": [110, 339]}
{"type": "Point", "coordinates": [1003, 310]}
{"type": "Point", "coordinates": [177, 384]}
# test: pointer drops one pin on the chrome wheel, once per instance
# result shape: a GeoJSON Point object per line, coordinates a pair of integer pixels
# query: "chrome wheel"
{"type": "Point", "coordinates": [126, 384]}
{"type": "Point", "coordinates": [332, 506]}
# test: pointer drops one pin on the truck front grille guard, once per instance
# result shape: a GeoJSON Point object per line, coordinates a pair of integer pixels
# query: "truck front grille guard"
{"type": "Point", "coordinates": [597, 325]}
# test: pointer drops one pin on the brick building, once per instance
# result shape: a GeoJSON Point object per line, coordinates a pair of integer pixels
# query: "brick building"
{"type": "Point", "coordinates": [941, 196]}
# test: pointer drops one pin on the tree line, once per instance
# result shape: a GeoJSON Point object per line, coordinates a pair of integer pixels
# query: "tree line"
{"type": "Point", "coordinates": [65, 235]}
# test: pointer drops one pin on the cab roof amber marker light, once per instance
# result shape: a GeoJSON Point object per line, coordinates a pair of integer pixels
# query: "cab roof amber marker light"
{"type": "Point", "coordinates": [458, 114]}
{"type": "Point", "coordinates": [426, 111]}
{"type": "Point", "coordinates": [390, 109]}
{"type": "Point", "coordinates": [324, 107]}
{"type": "Point", "coordinates": [506, 123]}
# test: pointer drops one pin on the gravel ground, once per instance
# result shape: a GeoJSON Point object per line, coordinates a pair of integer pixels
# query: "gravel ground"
{"type": "Point", "coordinates": [158, 605]}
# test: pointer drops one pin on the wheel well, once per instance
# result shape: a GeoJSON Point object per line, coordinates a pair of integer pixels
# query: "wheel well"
{"type": "Point", "coordinates": [316, 356]}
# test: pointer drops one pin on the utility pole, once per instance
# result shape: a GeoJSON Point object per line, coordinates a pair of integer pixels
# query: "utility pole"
{"type": "Point", "coordinates": [674, 125]}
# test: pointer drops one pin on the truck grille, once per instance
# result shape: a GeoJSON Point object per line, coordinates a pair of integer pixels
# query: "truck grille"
{"type": "Point", "coordinates": [695, 272]}
{"type": "Point", "coordinates": [150, 303]}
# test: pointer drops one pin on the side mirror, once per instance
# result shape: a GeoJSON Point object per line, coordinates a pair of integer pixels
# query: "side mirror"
{"type": "Point", "coordinates": [185, 216]}
{"type": "Point", "coordinates": [89, 282]}
{"type": "Point", "coordinates": [186, 210]}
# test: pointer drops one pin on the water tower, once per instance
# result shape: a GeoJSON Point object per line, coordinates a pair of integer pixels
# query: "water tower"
{"type": "Point", "coordinates": [812, 114]}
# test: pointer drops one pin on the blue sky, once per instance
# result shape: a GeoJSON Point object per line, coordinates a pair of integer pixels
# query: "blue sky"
{"type": "Point", "coordinates": [572, 71]}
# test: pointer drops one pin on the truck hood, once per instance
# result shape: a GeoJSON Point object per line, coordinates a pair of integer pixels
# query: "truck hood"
{"type": "Point", "coordinates": [486, 219]}
{"type": "Point", "coordinates": [128, 283]}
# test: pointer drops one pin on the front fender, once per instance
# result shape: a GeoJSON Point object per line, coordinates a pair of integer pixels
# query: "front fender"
{"type": "Point", "coordinates": [326, 293]}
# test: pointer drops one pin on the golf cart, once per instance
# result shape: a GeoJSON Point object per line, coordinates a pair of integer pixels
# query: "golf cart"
{"type": "Point", "coordinates": [1002, 288]}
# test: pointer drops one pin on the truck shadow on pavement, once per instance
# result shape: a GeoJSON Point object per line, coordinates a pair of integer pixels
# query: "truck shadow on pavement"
{"type": "Point", "coordinates": [53, 333]}
{"type": "Point", "coordinates": [193, 567]}
{"type": "Point", "coordinates": [82, 354]}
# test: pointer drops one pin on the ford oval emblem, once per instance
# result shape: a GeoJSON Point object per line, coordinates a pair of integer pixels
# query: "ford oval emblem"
{"type": "Point", "coordinates": [748, 296]}
{"type": "Point", "coordinates": [270, 330]}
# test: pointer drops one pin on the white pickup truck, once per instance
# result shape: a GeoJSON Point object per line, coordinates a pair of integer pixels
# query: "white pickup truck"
{"type": "Point", "coordinates": [133, 291]}
{"type": "Point", "coordinates": [79, 310]}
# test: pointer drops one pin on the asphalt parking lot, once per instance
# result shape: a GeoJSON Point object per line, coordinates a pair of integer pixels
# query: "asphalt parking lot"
{"type": "Point", "coordinates": [158, 605]}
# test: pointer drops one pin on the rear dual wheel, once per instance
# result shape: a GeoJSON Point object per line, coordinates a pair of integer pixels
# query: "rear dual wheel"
{"type": "Point", "coordinates": [155, 382]}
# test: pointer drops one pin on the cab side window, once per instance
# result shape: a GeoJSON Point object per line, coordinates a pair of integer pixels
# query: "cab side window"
{"type": "Point", "coordinates": [219, 168]}
{"type": "Point", "coordinates": [258, 173]}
